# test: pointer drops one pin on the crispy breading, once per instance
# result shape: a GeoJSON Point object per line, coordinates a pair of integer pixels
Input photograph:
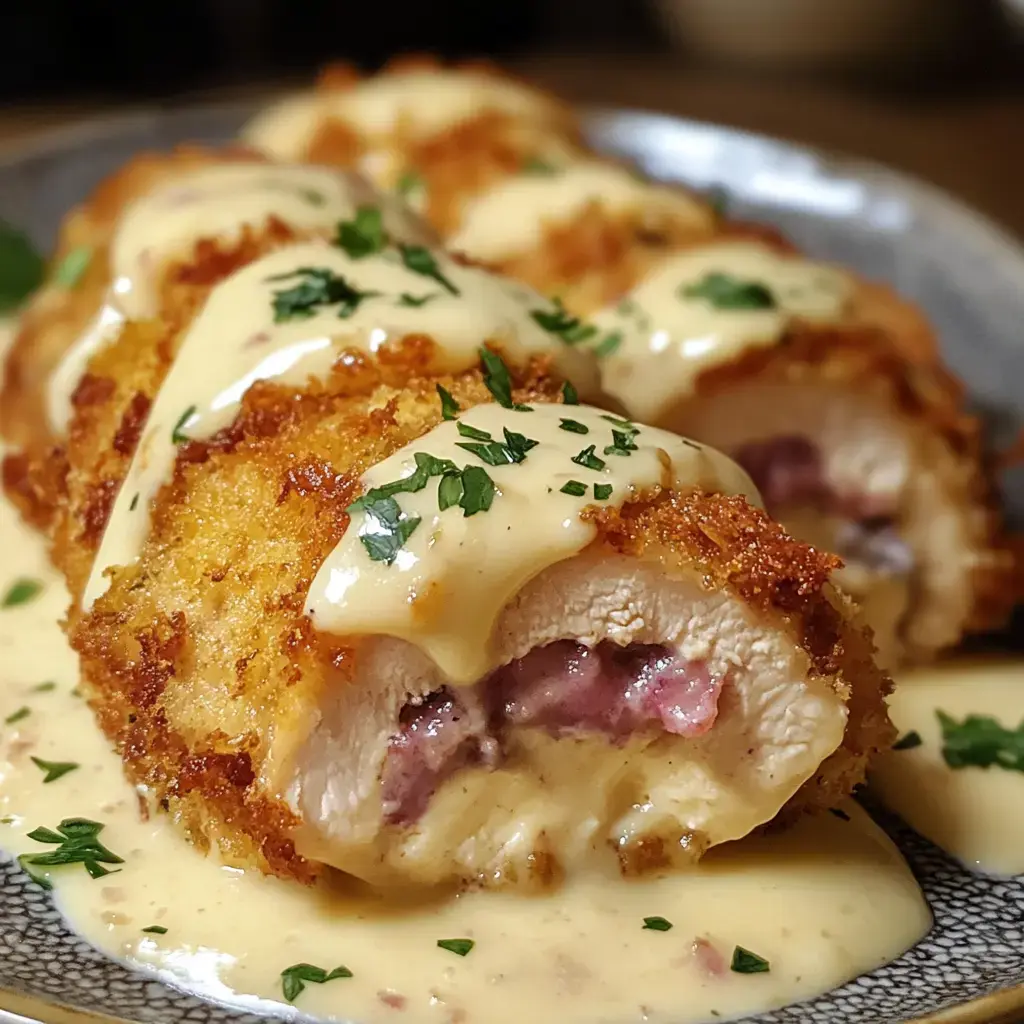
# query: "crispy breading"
{"type": "Point", "coordinates": [200, 651]}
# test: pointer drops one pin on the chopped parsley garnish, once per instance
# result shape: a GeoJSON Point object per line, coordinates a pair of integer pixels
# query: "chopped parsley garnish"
{"type": "Point", "coordinates": [657, 924]}
{"type": "Point", "coordinates": [364, 235]}
{"type": "Point", "coordinates": [155, 929]}
{"type": "Point", "coordinates": [21, 267]}
{"type": "Point", "coordinates": [477, 435]}
{"type": "Point", "coordinates": [574, 426]}
{"type": "Point", "coordinates": [839, 813]}
{"type": "Point", "coordinates": [387, 529]}
{"type": "Point", "coordinates": [73, 266]}
{"type": "Point", "coordinates": [908, 741]}
{"type": "Point", "coordinates": [569, 394]}
{"type": "Point", "coordinates": [622, 424]}
{"type": "Point", "coordinates": [294, 978]}
{"type": "Point", "coordinates": [320, 287]}
{"type": "Point", "coordinates": [498, 382]}
{"type": "Point", "coordinates": [477, 491]}
{"type": "Point", "coordinates": [718, 199]}
{"type": "Point", "coordinates": [178, 436]}
{"type": "Point", "coordinates": [21, 592]}
{"type": "Point", "coordinates": [458, 946]}
{"type": "Point", "coordinates": [312, 196]}
{"type": "Point", "coordinates": [54, 769]}
{"type": "Point", "coordinates": [608, 344]}
{"type": "Point", "coordinates": [569, 328]}
{"type": "Point", "coordinates": [980, 741]}
{"type": "Point", "coordinates": [408, 183]}
{"type": "Point", "coordinates": [16, 716]}
{"type": "Point", "coordinates": [537, 165]}
{"type": "Point", "coordinates": [745, 962]}
{"type": "Point", "coordinates": [496, 453]}
{"type": "Point", "coordinates": [46, 687]}
{"type": "Point", "coordinates": [420, 260]}
{"type": "Point", "coordinates": [602, 492]}
{"type": "Point", "coordinates": [77, 843]}
{"type": "Point", "coordinates": [574, 487]}
{"type": "Point", "coordinates": [415, 301]}
{"type": "Point", "coordinates": [449, 407]}
{"type": "Point", "coordinates": [622, 442]}
{"type": "Point", "coordinates": [724, 291]}
{"type": "Point", "coordinates": [588, 459]}
{"type": "Point", "coordinates": [134, 504]}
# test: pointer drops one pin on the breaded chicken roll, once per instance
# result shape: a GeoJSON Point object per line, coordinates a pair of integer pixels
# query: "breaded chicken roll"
{"type": "Point", "coordinates": [439, 135]}
{"type": "Point", "coordinates": [131, 246]}
{"type": "Point", "coordinates": [456, 631]}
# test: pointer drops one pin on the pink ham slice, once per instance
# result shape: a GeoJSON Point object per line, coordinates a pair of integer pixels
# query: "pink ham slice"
{"type": "Point", "coordinates": [564, 688]}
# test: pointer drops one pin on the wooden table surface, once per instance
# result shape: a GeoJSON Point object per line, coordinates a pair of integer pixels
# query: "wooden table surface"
{"type": "Point", "coordinates": [970, 144]}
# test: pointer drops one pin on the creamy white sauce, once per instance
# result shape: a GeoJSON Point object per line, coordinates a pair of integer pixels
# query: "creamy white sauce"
{"type": "Point", "coordinates": [972, 813]}
{"type": "Point", "coordinates": [418, 103]}
{"type": "Point", "coordinates": [210, 202]}
{"type": "Point", "coordinates": [235, 341]}
{"type": "Point", "coordinates": [510, 218]}
{"type": "Point", "coordinates": [668, 338]}
{"type": "Point", "coordinates": [452, 577]}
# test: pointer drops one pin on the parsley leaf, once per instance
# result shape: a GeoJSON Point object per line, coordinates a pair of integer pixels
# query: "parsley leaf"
{"type": "Point", "coordinates": [569, 394]}
{"type": "Point", "coordinates": [54, 769]}
{"type": "Point", "coordinates": [21, 592]}
{"type": "Point", "coordinates": [386, 529]}
{"type": "Point", "coordinates": [364, 235]}
{"type": "Point", "coordinates": [17, 716]}
{"type": "Point", "coordinates": [724, 291]}
{"type": "Point", "coordinates": [420, 260]}
{"type": "Point", "coordinates": [449, 490]}
{"type": "Point", "coordinates": [21, 267]}
{"type": "Point", "coordinates": [77, 842]}
{"type": "Point", "coordinates": [622, 442]}
{"type": "Point", "coordinates": [408, 183]}
{"type": "Point", "coordinates": [449, 407]}
{"type": "Point", "coordinates": [718, 199]}
{"type": "Point", "coordinates": [657, 924]}
{"type": "Point", "coordinates": [48, 687]}
{"type": "Point", "coordinates": [294, 978]}
{"type": "Point", "coordinates": [70, 270]}
{"type": "Point", "coordinates": [498, 381]}
{"type": "Point", "coordinates": [602, 492]}
{"type": "Point", "coordinates": [477, 491]}
{"type": "Point", "coordinates": [574, 487]}
{"type": "Point", "coordinates": [178, 436]}
{"type": "Point", "coordinates": [415, 301]}
{"type": "Point", "coordinates": [537, 165]}
{"type": "Point", "coordinates": [608, 344]}
{"type": "Point", "coordinates": [908, 741]}
{"type": "Point", "coordinates": [458, 946]}
{"type": "Point", "coordinates": [588, 459]}
{"type": "Point", "coordinates": [980, 741]}
{"type": "Point", "coordinates": [574, 426]}
{"type": "Point", "coordinates": [320, 287]}
{"type": "Point", "coordinates": [569, 328]}
{"type": "Point", "coordinates": [155, 929]}
{"type": "Point", "coordinates": [746, 962]}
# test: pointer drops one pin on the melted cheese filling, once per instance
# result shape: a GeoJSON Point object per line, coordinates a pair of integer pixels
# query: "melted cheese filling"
{"type": "Point", "coordinates": [238, 339]}
{"type": "Point", "coordinates": [970, 812]}
{"type": "Point", "coordinates": [212, 202]}
{"type": "Point", "coordinates": [668, 337]}
{"type": "Point", "coordinates": [455, 573]}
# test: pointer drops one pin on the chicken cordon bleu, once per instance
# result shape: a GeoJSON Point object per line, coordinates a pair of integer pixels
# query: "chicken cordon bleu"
{"type": "Point", "coordinates": [359, 583]}
{"type": "Point", "coordinates": [161, 226]}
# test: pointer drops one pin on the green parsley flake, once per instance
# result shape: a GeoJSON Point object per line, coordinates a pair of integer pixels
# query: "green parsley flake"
{"type": "Point", "coordinates": [178, 436]}
{"type": "Point", "coordinates": [477, 491]}
{"type": "Point", "coordinates": [602, 492]}
{"type": "Point", "coordinates": [460, 947]}
{"type": "Point", "coordinates": [76, 843]}
{"type": "Point", "coordinates": [364, 235]}
{"type": "Point", "coordinates": [70, 270]}
{"type": "Point", "coordinates": [318, 288]}
{"type": "Point", "coordinates": [979, 741]}
{"type": "Point", "coordinates": [723, 291]}
{"type": "Point", "coordinates": [48, 687]}
{"type": "Point", "coordinates": [54, 769]}
{"type": "Point", "coordinates": [574, 487]}
{"type": "Point", "coordinates": [408, 183]}
{"type": "Point", "coordinates": [134, 503]}
{"type": "Point", "coordinates": [21, 268]}
{"type": "Point", "coordinates": [622, 443]}
{"type": "Point", "coordinates": [16, 716]}
{"type": "Point", "coordinates": [559, 322]}
{"type": "Point", "coordinates": [718, 199]}
{"type": "Point", "coordinates": [538, 165]}
{"type": "Point", "coordinates": [496, 453]}
{"type": "Point", "coordinates": [449, 407]}
{"type": "Point", "coordinates": [745, 962]}
{"type": "Point", "coordinates": [415, 301]}
{"type": "Point", "coordinates": [608, 344]}
{"type": "Point", "coordinates": [420, 260]}
{"type": "Point", "coordinates": [155, 929]}
{"type": "Point", "coordinates": [588, 459]}
{"type": "Point", "coordinates": [294, 978]}
{"type": "Point", "coordinates": [574, 426]}
{"type": "Point", "coordinates": [21, 592]}
{"type": "Point", "coordinates": [908, 741]}
{"type": "Point", "coordinates": [657, 924]}
{"type": "Point", "coordinates": [386, 530]}
{"type": "Point", "coordinates": [498, 381]}
{"type": "Point", "coordinates": [569, 394]}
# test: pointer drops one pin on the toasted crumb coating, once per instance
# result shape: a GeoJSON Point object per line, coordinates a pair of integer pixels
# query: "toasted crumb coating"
{"type": "Point", "coordinates": [201, 651]}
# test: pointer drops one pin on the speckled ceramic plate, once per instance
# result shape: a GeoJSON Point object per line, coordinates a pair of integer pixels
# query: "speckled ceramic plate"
{"type": "Point", "coordinates": [964, 271]}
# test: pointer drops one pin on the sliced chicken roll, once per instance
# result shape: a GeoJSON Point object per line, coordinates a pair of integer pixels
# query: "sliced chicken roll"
{"type": "Point", "coordinates": [821, 386]}
{"type": "Point", "coordinates": [438, 135]}
{"type": "Point", "coordinates": [427, 638]}
{"type": "Point", "coordinates": [126, 251]}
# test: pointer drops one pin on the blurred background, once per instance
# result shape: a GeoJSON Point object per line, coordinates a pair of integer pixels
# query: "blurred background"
{"type": "Point", "coordinates": [935, 87]}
